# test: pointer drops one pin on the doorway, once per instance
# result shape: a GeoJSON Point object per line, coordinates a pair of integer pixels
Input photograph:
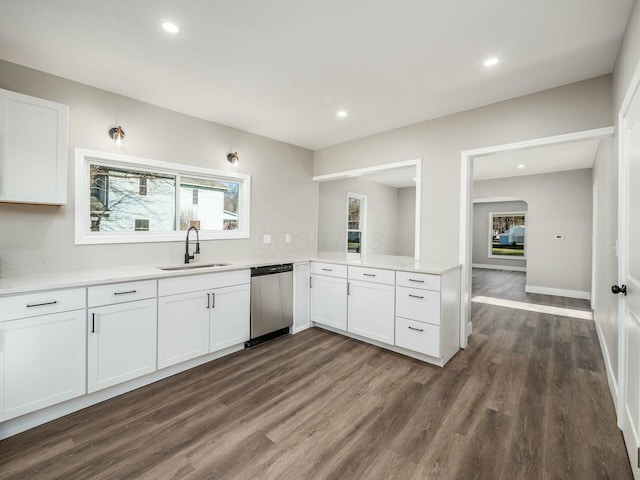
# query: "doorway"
{"type": "Point", "coordinates": [467, 194]}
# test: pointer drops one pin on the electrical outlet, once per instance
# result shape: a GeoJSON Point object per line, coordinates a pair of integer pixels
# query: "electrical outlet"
{"type": "Point", "coordinates": [287, 238]}
{"type": "Point", "coordinates": [267, 238]}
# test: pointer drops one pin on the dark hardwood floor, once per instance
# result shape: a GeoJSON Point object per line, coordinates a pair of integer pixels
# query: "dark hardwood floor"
{"type": "Point", "coordinates": [527, 399]}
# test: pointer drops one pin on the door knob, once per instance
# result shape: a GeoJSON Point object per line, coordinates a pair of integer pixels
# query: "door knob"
{"type": "Point", "coordinates": [619, 289]}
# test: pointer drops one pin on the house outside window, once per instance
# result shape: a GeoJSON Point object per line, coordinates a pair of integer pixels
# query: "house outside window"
{"type": "Point", "coordinates": [137, 200]}
{"type": "Point", "coordinates": [507, 237]}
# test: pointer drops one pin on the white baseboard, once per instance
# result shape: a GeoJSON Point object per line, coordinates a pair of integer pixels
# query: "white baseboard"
{"type": "Point", "coordinates": [295, 330]}
{"type": "Point", "coordinates": [613, 386]}
{"type": "Point", "coordinates": [499, 267]}
{"type": "Point", "coordinates": [558, 292]}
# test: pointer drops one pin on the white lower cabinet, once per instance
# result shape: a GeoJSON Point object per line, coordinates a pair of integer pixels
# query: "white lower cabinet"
{"type": "Point", "coordinates": [183, 327]}
{"type": "Point", "coordinates": [301, 293]}
{"type": "Point", "coordinates": [329, 301]}
{"type": "Point", "coordinates": [418, 336]}
{"type": "Point", "coordinates": [371, 310]}
{"type": "Point", "coordinates": [229, 316]}
{"type": "Point", "coordinates": [121, 343]}
{"type": "Point", "coordinates": [194, 323]}
{"type": "Point", "coordinates": [42, 362]}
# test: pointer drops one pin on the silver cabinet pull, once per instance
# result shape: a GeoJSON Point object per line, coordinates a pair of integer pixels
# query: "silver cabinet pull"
{"type": "Point", "coordinates": [31, 305]}
{"type": "Point", "coordinates": [369, 274]}
{"type": "Point", "coordinates": [208, 300]}
{"type": "Point", "coordinates": [348, 289]}
{"type": "Point", "coordinates": [416, 296]}
{"type": "Point", "coordinates": [416, 329]}
{"type": "Point", "coordinates": [125, 293]}
{"type": "Point", "coordinates": [327, 269]}
{"type": "Point", "coordinates": [213, 300]}
{"type": "Point", "coordinates": [417, 281]}
{"type": "Point", "coordinates": [93, 323]}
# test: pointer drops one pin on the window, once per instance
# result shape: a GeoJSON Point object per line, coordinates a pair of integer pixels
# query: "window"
{"type": "Point", "coordinates": [356, 210]}
{"type": "Point", "coordinates": [121, 199]}
{"type": "Point", "coordinates": [142, 225]}
{"type": "Point", "coordinates": [507, 235]}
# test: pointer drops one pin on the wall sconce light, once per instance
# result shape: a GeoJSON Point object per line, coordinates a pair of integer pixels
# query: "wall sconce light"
{"type": "Point", "coordinates": [232, 158]}
{"type": "Point", "coordinates": [117, 135]}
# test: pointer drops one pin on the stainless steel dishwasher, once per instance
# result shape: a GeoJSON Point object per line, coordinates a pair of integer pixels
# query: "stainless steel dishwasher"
{"type": "Point", "coordinates": [271, 302]}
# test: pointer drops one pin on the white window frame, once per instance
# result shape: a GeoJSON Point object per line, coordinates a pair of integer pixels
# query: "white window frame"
{"type": "Point", "coordinates": [83, 234]}
{"type": "Point", "coordinates": [363, 225]}
{"type": "Point", "coordinates": [490, 235]}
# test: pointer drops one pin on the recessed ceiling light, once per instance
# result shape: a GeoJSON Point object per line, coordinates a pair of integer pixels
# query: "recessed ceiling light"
{"type": "Point", "coordinates": [341, 113]}
{"type": "Point", "coordinates": [170, 27]}
{"type": "Point", "coordinates": [490, 62]}
{"type": "Point", "coordinates": [521, 165]}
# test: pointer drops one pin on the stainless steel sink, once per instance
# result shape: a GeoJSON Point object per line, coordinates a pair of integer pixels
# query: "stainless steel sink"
{"type": "Point", "coordinates": [194, 266]}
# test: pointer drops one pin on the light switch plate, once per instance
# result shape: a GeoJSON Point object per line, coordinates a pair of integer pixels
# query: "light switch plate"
{"type": "Point", "coordinates": [267, 238]}
{"type": "Point", "coordinates": [287, 238]}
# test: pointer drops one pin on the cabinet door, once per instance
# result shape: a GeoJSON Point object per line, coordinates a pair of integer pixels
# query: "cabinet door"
{"type": "Point", "coordinates": [42, 362]}
{"type": "Point", "coordinates": [300, 297]}
{"type": "Point", "coordinates": [329, 301]}
{"type": "Point", "coordinates": [122, 343]}
{"type": "Point", "coordinates": [33, 149]}
{"type": "Point", "coordinates": [230, 310]}
{"type": "Point", "coordinates": [183, 327]}
{"type": "Point", "coordinates": [371, 310]}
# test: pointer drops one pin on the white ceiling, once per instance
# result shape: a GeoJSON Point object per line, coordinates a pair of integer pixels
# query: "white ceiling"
{"type": "Point", "coordinates": [282, 68]}
{"type": "Point", "coordinates": [545, 159]}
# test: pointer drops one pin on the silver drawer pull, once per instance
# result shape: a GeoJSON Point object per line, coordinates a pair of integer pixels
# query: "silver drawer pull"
{"type": "Point", "coordinates": [328, 269]}
{"type": "Point", "coordinates": [369, 274]}
{"type": "Point", "coordinates": [417, 281]}
{"type": "Point", "coordinates": [416, 329]}
{"type": "Point", "coordinates": [416, 296]}
{"type": "Point", "coordinates": [41, 304]}
{"type": "Point", "coordinates": [125, 293]}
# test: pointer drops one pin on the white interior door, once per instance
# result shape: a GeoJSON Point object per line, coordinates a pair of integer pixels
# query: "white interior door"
{"type": "Point", "coordinates": [629, 276]}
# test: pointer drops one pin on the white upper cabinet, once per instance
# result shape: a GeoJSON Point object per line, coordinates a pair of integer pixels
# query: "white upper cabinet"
{"type": "Point", "coordinates": [33, 150]}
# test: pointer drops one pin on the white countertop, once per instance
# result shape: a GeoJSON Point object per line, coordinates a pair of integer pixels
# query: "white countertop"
{"type": "Point", "coordinates": [98, 276]}
{"type": "Point", "coordinates": [388, 262]}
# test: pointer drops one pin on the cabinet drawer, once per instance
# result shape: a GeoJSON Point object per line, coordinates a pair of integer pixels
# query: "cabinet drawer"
{"type": "Point", "coordinates": [418, 280]}
{"type": "Point", "coordinates": [199, 282]}
{"type": "Point", "coordinates": [329, 269]}
{"type": "Point", "coordinates": [418, 336]}
{"type": "Point", "coordinates": [416, 304]}
{"type": "Point", "coordinates": [42, 303]}
{"type": "Point", "coordinates": [121, 292]}
{"type": "Point", "coordinates": [375, 275]}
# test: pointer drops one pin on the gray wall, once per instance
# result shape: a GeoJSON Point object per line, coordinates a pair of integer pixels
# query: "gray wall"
{"type": "Point", "coordinates": [558, 203]}
{"type": "Point", "coordinates": [382, 215]}
{"type": "Point", "coordinates": [283, 197]}
{"type": "Point", "coordinates": [407, 221]}
{"type": "Point", "coordinates": [570, 108]}
{"type": "Point", "coordinates": [481, 213]}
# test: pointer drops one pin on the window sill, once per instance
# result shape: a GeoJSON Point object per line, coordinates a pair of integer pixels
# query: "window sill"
{"type": "Point", "coordinates": [154, 237]}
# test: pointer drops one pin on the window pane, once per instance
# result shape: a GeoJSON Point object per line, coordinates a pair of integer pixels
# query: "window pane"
{"type": "Point", "coordinates": [208, 204]}
{"type": "Point", "coordinates": [116, 201]}
{"type": "Point", "coordinates": [353, 242]}
{"type": "Point", "coordinates": [508, 235]}
{"type": "Point", "coordinates": [354, 213]}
